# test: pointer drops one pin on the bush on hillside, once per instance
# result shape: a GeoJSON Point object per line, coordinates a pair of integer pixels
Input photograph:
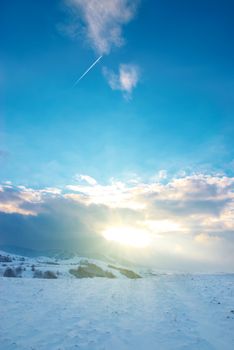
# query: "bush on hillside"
{"type": "Point", "coordinates": [128, 273]}
{"type": "Point", "coordinates": [9, 272]}
{"type": "Point", "coordinates": [46, 274]}
{"type": "Point", "coordinates": [91, 270]}
{"type": "Point", "coordinates": [5, 258]}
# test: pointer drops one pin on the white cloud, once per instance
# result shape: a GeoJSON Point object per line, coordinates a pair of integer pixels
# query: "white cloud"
{"type": "Point", "coordinates": [213, 192]}
{"type": "Point", "coordinates": [207, 239]}
{"type": "Point", "coordinates": [90, 180]}
{"type": "Point", "coordinates": [103, 21]}
{"type": "Point", "coordinates": [163, 226]}
{"type": "Point", "coordinates": [162, 174]}
{"type": "Point", "coordinates": [125, 80]}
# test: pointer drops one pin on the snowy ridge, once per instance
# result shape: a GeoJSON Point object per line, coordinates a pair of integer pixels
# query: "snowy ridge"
{"type": "Point", "coordinates": [12, 265]}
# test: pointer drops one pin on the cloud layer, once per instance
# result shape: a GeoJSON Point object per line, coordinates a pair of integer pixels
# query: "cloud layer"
{"type": "Point", "coordinates": [103, 21]}
{"type": "Point", "coordinates": [189, 220]}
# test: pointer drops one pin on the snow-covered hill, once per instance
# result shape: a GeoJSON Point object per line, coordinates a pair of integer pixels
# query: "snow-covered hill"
{"type": "Point", "coordinates": [156, 312]}
{"type": "Point", "coordinates": [12, 265]}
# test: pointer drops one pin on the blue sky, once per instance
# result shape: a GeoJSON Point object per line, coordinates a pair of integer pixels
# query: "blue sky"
{"type": "Point", "coordinates": [180, 114]}
{"type": "Point", "coordinates": [143, 143]}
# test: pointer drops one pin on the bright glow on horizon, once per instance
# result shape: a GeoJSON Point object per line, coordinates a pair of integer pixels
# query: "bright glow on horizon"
{"type": "Point", "coordinates": [128, 236]}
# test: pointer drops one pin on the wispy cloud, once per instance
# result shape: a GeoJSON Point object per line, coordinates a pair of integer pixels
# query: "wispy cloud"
{"type": "Point", "coordinates": [125, 80]}
{"type": "Point", "coordinates": [103, 21]}
{"type": "Point", "coordinates": [89, 179]}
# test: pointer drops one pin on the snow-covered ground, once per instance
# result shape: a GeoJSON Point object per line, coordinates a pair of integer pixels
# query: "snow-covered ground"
{"type": "Point", "coordinates": [192, 312]}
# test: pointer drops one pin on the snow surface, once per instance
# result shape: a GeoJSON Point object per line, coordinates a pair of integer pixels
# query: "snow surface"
{"type": "Point", "coordinates": [170, 311]}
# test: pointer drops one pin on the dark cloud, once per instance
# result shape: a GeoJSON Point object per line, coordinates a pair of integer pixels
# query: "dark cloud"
{"type": "Point", "coordinates": [190, 207]}
{"type": "Point", "coordinates": [54, 222]}
{"type": "Point", "coordinates": [46, 231]}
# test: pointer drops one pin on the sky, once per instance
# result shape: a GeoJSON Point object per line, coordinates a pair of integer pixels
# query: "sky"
{"type": "Point", "coordinates": [141, 147]}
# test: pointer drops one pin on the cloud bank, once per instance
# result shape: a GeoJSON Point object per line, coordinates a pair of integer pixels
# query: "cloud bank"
{"type": "Point", "coordinates": [189, 220]}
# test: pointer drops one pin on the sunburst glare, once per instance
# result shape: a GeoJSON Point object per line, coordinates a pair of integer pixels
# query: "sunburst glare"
{"type": "Point", "coordinates": [128, 236]}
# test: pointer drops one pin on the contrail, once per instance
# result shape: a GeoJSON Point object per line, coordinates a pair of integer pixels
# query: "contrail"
{"type": "Point", "coordinates": [82, 76]}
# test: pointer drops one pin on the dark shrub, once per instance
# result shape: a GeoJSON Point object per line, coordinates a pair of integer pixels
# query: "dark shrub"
{"type": "Point", "coordinates": [90, 270]}
{"type": "Point", "coordinates": [45, 274]}
{"type": "Point", "coordinates": [49, 274]}
{"type": "Point", "coordinates": [9, 272]}
{"type": "Point", "coordinates": [5, 258]}
{"type": "Point", "coordinates": [125, 272]}
{"type": "Point", "coordinates": [38, 274]}
{"type": "Point", "coordinates": [18, 271]}
{"type": "Point", "coordinates": [51, 263]}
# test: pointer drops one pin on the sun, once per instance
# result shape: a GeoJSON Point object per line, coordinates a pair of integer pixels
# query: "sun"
{"type": "Point", "coordinates": [127, 236]}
